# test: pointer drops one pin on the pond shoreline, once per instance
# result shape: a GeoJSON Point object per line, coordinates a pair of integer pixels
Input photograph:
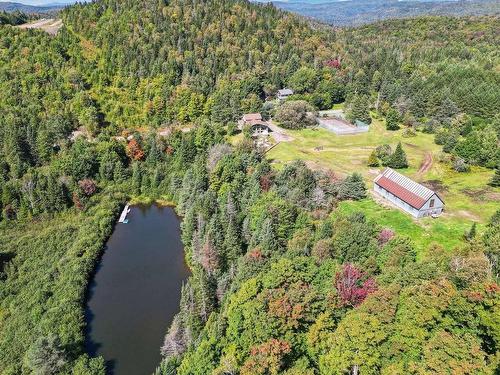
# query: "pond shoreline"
{"type": "Point", "coordinates": [134, 291]}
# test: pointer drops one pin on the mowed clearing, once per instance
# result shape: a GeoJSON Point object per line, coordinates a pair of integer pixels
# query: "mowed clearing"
{"type": "Point", "coordinates": [467, 196]}
{"type": "Point", "coordinates": [49, 25]}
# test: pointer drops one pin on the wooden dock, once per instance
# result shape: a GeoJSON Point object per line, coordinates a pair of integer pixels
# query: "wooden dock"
{"type": "Point", "coordinates": [123, 216]}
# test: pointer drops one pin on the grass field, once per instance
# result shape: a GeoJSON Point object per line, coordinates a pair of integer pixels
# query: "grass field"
{"type": "Point", "coordinates": [466, 195]}
{"type": "Point", "coordinates": [443, 231]}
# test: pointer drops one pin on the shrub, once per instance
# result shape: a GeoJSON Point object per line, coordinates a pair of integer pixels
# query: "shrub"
{"type": "Point", "coordinates": [409, 132]}
{"type": "Point", "coordinates": [373, 159]}
{"type": "Point", "coordinates": [384, 153]}
{"type": "Point", "coordinates": [460, 165]}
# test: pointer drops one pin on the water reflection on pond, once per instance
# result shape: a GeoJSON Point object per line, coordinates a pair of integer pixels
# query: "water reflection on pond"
{"type": "Point", "coordinates": [135, 292]}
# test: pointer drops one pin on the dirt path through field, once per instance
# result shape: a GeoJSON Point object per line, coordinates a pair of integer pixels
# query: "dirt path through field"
{"type": "Point", "coordinates": [426, 164]}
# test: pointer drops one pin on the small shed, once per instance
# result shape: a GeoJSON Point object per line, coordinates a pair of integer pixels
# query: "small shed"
{"type": "Point", "coordinates": [408, 195]}
{"type": "Point", "coordinates": [284, 93]}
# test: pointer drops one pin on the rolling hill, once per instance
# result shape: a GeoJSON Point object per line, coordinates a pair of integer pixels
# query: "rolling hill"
{"type": "Point", "coordinates": [30, 9]}
{"type": "Point", "coordinates": [349, 13]}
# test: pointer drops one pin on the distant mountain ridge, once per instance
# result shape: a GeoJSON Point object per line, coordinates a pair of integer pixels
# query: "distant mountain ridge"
{"type": "Point", "coordinates": [359, 12]}
{"type": "Point", "coordinates": [12, 7]}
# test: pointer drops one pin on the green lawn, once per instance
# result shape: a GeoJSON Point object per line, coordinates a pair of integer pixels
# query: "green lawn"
{"type": "Point", "coordinates": [347, 153]}
{"type": "Point", "coordinates": [445, 231]}
{"type": "Point", "coordinates": [466, 195]}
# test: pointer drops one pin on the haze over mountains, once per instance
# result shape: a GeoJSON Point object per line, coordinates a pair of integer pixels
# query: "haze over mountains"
{"type": "Point", "coordinates": [335, 12]}
{"type": "Point", "coordinates": [358, 12]}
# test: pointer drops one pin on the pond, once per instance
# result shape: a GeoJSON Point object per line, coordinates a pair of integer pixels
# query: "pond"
{"type": "Point", "coordinates": [136, 291]}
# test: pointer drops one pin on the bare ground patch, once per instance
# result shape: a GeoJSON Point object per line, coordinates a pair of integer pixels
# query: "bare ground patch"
{"type": "Point", "coordinates": [482, 195]}
{"type": "Point", "coordinates": [426, 163]}
{"type": "Point", "coordinates": [436, 185]}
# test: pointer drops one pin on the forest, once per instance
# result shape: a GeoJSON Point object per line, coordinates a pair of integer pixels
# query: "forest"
{"type": "Point", "coordinates": [138, 98]}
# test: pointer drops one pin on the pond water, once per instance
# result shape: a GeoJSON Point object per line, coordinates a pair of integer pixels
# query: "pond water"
{"type": "Point", "coordinates": [136, 290]}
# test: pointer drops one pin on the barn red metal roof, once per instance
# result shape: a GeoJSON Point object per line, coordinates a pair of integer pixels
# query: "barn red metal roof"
{"type": "Point", "coordinates": [404, 194]}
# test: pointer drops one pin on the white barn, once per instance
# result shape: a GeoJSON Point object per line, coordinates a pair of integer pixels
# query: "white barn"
{"type": "Point", "coordinates": [410, 196]}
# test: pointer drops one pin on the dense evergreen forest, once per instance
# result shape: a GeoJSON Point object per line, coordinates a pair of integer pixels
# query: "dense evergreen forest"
{"type": "Point", "coordinates": [14, 18]}
{"type": "Point", "coordinates": [281, 282]}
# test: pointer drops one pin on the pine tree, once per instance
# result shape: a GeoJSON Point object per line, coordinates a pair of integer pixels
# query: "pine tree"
{"type": "Point", "coordinates": [398, 158]}
{"type": "Point", "coordinates": [353, 187]}
{"type": "Point", "coordinates": [136, 178]}
{"type": "Point", "coordinates": [392, 119]}
{"type": "Point", "coordinates": [373, 159]}
{"type": "Point", "coordinates": [471, 234]}
{"type": "Point", "coordinates": [359, 109]}
{"type": "Point", "coordinates": [495, 180]}
{"type": "Point", "coordinates": [119, 173]}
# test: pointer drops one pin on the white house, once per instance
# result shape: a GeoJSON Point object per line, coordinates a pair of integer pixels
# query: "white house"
{"type": "Point", "coordinates": [407, 194]}
{"type": "Point", "coordinates": [284, 93]}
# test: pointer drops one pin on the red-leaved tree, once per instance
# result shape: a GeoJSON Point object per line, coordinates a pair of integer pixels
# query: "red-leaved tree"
{"type": "Point", "coordinates": [385, 236]}
{"type": "Point", "coordinates": [209, 257]}
{"type": "Point", "coordinates": [88, 186]}
{"type": "Point", "coordinates": [333, 63]}
{"type": "Point", "coordinates": [266, 358]}
{"type": "Point", "coordinates": [134, 150]}
{"type": "Point", "coordinates": [353, 286]}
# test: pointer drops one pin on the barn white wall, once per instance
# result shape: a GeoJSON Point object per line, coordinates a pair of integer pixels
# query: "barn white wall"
{"type": "Point", "coordinates": [424, 211]}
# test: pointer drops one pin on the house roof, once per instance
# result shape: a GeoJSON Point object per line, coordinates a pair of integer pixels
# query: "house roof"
{"type": "Point", "coordinates": [249, 117]}
{"type": "Point", "coordinates": [404, 188]}
{"type": "Point", "coordinates": [285, 92]}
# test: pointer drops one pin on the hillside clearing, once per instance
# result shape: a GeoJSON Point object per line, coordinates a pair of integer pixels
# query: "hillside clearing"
{"type": "Point", "coordinates": [461, 192]}
{"type": "Point", "coordinates": [49, 25]}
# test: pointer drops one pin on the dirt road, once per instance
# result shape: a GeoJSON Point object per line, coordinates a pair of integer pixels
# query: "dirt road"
{"type": "Point", "coordinates": [49, 25]}
{"type": "Point", "coordinates": [426, 163]}
{"type": "Point", "coordinates": [278, 133]}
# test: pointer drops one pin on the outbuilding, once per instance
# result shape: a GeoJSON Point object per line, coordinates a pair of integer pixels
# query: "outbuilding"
{"type": "Point", "coordinates": [408, 195]}
{"type": "Point", "coordinates": [284, 93]}
{"type": "Point", "coordinates": [258, 127]}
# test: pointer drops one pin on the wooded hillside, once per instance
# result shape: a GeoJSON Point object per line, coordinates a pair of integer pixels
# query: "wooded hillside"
{"type": "Point", "coordinates": [282, 282]}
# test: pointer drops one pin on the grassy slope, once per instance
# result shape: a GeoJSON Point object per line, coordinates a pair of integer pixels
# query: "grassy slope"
{"type": "Point", "coordinates": [466, 195]}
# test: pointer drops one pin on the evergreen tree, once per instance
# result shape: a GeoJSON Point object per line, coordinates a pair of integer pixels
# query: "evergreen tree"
{"type": "Point", "coordinates": [359, 109]}
{"type": "Point", "coordinates": [353, 187]}
{"type": "Point", "coordinates": [495, 180]}
{"type": "Point", "coordinates": [119, 172]}
{"type": "Point", "coordinates": [392, 119]}
{"type": "Point", "coordinates": [471, 234]}
{"type": "Point", "coordinates": [107, 165]}
{"type": "Point", "coordinates": [136, 178]}
{"type": "Point", "coordinates": [398, 158]}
